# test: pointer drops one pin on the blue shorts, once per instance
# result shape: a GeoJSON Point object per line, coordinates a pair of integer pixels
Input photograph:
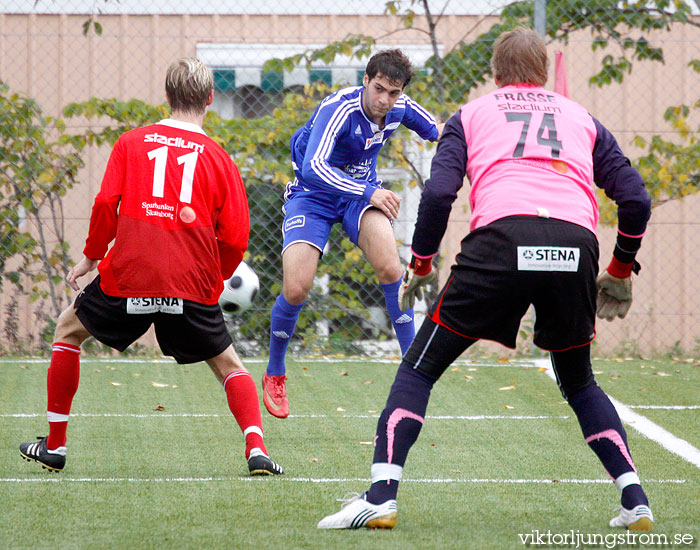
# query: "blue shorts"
{"type": "Point", "coordinates": [310, 215]}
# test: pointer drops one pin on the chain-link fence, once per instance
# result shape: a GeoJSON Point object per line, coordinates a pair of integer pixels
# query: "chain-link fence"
{"type": "Point", "coordinates": [75, 74]}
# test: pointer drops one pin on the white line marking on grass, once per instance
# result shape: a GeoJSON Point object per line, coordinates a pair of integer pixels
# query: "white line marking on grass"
{"type": "Point", "coordinates": [215, 415]}
{"type": "Point", "coordinates": [666, 407]}
{"type": "Point", "coordinates": [644, 426]}
{"type": "Point", "coordinates": [61, 479]}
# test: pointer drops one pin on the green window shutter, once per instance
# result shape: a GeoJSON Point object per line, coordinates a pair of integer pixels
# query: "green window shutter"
{"type": "Point", "coordinates": [323, 75]}
{"type": "Point", "coordinates": [360, 76]}
{"type": "Point", "coordinates": [272, 82]}
{"type": "Point", "coordinates": [224, 80]}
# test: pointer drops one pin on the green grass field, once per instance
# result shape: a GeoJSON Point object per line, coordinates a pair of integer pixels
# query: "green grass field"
{"type": "Point", "coordinates": [500, 455]}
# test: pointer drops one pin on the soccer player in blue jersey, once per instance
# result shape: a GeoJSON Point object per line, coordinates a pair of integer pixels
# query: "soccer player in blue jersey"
{"type": "Point", "coordinates": [334, 156]}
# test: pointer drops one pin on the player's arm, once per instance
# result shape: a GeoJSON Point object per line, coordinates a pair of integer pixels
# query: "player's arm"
{"type": "Point", "coordinates": [233, 223]}
{"type": "Point", "coordinates": [103, 220]}
{"type": "Point", "coordinates": [419, 120]}
{"type": "Point", "coordinates": [331, 125]}
{"type": "Point", "coordinates": [625, 186]}
{"type": "Point", "coordinates": [447, 173]}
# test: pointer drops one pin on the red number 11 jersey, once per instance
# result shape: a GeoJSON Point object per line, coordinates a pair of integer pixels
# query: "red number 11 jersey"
{"type": "Point", "coordinates": [174, 203]}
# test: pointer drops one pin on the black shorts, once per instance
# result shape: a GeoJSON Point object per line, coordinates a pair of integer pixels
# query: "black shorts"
{"type": "Point", "coordinates": [517, 261]}
{"type": "Point", "coordinates": [197, 334]}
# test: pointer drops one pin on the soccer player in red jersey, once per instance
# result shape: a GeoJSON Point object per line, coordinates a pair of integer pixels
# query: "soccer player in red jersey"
{"type": "Point", "coordinates": [173, 202]}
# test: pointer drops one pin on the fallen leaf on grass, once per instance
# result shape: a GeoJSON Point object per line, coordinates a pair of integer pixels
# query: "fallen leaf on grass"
{"type": "Point", "coordinates": [542, 369]}
{"type": "Point", "coordinates": [368, 382]}
{"type": "Point", "coordinates": [116, 383]}
{"type": "Point", "coordinates": [661, 373]}
{"type": "Point", "coordinates": [455, 471]}
{"type": "Point", "coordinates": [366, 443]}
{"type": "Point", "coordinates": [110, 367]}
{"type": "Point", "coordinates": [506, 388]}
{"type": "Point", "coordinates": [343, 373]}
{"type": "Point", "coordinates": [456, 369]}
{"type": "Point", "coordinates": [314, 460]}
{"type": "Point", "coordinates": [504, 360]}
{"type": "Point", "coordinates": [468, 378]}
{"type": "Point", "coordinates": [159, 407]}
{"type": "Point", "coordinates": [159, 385]}
{"type": "Point", "coordinates": [25, 367]}
{"type": "Point", "coordinates": [508, 407]}
{"type": "Point", "coordinates": [472, 369]}
{"type": "Point", "coordinates": [137, 374]}
{"type": "Point", "coordinates": [340, 409]}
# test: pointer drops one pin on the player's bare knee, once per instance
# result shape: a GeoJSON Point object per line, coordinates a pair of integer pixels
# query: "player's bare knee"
{"type": "Point", "coordinates": [69, 329]}
{"type": "Point", "coordinates": [388, 273]}
{"type": "Point", "coordinates": [296, 293]}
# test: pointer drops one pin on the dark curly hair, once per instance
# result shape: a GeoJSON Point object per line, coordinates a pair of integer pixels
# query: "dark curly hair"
{"type": "Point", "coordinates": [392, 65]}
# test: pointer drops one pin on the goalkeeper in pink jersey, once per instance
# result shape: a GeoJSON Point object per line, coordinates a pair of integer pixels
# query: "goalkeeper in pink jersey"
{"type": "Point", "coordinates": [532, 157]}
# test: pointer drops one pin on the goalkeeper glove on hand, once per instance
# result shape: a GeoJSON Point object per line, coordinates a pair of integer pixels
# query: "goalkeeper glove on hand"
{"type": "Point", "coordinates": [419, 273]}
{"type": "Point", "coordinates": [615, 290]}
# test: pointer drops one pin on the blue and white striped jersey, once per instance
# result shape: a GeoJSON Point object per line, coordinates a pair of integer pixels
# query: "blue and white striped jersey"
{"type": "Point", "coordinates": [336, 150]}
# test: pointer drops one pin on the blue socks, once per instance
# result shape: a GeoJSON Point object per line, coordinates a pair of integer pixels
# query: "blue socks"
{"type": "Point", "coordinates": [402, 320]}
{"type": "Point", "coordinates": [283, 320]}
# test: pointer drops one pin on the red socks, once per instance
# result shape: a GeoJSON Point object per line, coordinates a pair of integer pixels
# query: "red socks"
{"type": "Point", "coordinates": [242, 395]}
{"type": "Point", "coordinates": [61, 384]}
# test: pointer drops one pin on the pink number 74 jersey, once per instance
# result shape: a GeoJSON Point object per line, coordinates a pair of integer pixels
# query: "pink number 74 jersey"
{"type": "Point", "coordinates": [530, 153]}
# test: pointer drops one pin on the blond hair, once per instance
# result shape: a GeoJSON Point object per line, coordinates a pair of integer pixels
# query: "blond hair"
{"type": "Point", "coordinates": [520, 57]}
{"type": "Point", "coordinates": [188, 84]}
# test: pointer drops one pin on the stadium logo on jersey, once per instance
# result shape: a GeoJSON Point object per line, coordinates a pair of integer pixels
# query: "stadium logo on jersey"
{"type": "Point", "coordinates": [173, 142]}
{"type": "Point", "coordinates": [140, 306]}
{"type": "Point", "coordinates": [548, 258]}
{"type": "Point", "coordinates": [378, 138]}
{"type": "Point", "coordinates": [295, 222]}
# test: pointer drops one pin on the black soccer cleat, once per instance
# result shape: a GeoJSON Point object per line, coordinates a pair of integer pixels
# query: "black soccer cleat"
{"type": "Point", "coordinates": [259, 464]}
{"type": "Point", "coordinates": [53, 461]}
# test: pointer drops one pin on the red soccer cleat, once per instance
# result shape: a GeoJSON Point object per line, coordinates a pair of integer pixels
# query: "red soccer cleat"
{"type": "Point", "coordinates": [275, 395]}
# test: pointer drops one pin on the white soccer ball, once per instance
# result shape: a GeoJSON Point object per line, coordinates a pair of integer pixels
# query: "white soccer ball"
{"type": "Point", "coordinates": [240, 290]}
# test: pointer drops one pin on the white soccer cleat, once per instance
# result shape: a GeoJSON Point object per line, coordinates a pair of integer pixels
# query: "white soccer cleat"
{"type": "Point", "coordinates": [356, 512]}
{"type": "Point", "coordinates": [638, 518]}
